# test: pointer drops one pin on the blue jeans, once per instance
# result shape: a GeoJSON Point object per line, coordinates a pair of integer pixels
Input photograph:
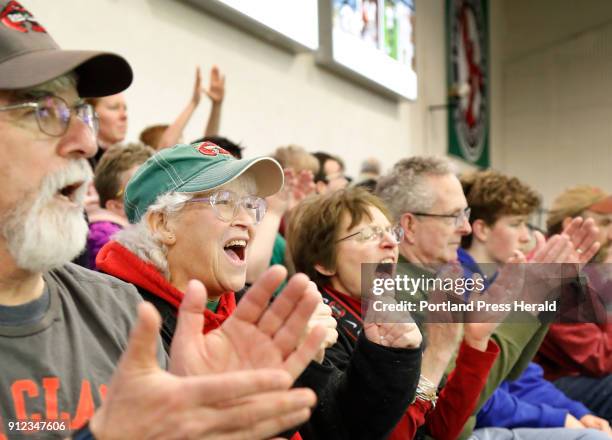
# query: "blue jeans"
{"type": "Point", "coordinates": [537, 434]}
{"type": "Point", "coordinates": [594, 392]}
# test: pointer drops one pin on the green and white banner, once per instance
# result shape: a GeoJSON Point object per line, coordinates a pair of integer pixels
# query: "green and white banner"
{"type": "Point", "coordinates": [468, 81]}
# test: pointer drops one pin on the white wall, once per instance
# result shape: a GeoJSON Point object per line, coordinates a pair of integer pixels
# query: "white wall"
{"type": "Point", "coordinates": [555, 126]}
{"type": "Point", "coordinates": [273, 97]}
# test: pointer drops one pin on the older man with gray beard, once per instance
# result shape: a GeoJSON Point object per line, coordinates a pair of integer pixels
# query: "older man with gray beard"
{"type": "Point", "coordinates": [67, 354]}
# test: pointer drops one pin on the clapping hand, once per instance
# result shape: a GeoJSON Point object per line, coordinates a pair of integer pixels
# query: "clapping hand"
{"type": "Point", "coordinates": [255, 336]}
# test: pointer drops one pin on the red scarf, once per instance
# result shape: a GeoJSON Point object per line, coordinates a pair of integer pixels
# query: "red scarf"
{"type": "Point", "coordinates": [119, 262]}
{"type": "Point", "coordinates": [353, 303]}
{"type": "Point", "coordinates": [346, 310]}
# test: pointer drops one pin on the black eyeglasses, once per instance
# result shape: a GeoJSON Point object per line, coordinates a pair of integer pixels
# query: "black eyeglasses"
{"type": "Point", "coordinates": [53, 114]}
{"type": "Point", "coordinates": [459, 218]}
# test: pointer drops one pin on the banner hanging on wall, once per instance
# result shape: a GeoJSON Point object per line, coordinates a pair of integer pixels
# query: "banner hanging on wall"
{"type": "Point", "coordinates": [467, 30]}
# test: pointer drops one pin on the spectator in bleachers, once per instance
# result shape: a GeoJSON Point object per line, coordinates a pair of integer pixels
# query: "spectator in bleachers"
{"type": "Point", "coordinates": [500, 210]}
{"type": "Point", "coordinates": [578, 357]}
{"type": "Point", "coordinates": [112, 174]}
{"type": "Point", "coordinates": [330, 236]}
{"type": "Point", "coordinates": [369, 174]}
{"type": "Point", "coordinates": [163, 135]}
{"type": "Point", "coordinates": [269, 246]}
{"type": "Point", "coordinates": [297, 159]}
{"type": "Point", "coordinates": [112, 121]}
{"type": "Point", "coordinates": [191, 203]}
{"type": "Point", "coordinates": [427, 200]}
{"type": "Point", "coordinates": [331, 173]}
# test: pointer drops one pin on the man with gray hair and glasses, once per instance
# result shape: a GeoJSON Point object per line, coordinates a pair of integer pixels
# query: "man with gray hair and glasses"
{"type": "Point", "coordinates": [67, 354]}
{"type": "Point", "coordinates": [427, 200]}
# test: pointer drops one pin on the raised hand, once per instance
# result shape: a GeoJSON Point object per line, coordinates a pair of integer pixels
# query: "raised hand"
{"type": "Point", "coordinates": [507, 287]}
{"type": "Point", "coordinates": [322, 316]}
{"type": "Point", "coordinates": [576, 244]}
{"type": "Point", "coordinates": [477, 334]}
{"type": "Point", "coordinates": [256, 335]}
{"type": "Point", "coordinates": [296, 188]}
{"type": "Point", "coordinates": [387, 327]}
{"type": "Point", "coordinates": [216, 86]}
{"type": "Point", "coordinates": [583, 236]}
{"type": "Point", "coordinates": [146, 402]}
{"type": "Point", "coordinates": [197, 87]}
{"type": "Point", "coordinates": [301, 187]}
{"type": "Point", "coordinates": [394, 334]}
{"type": "Point", "coordinates": [278, 204]}
{"type": "Point", "coordinates": [578, 235]}
{"type": "Point", "coordinates": [556, 249]}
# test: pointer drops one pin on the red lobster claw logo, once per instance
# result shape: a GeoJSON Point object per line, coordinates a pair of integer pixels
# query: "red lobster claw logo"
{"type": "Point", "coordinates": [17, 17]}
{"type": "Point", "coordinates": [210, 149]}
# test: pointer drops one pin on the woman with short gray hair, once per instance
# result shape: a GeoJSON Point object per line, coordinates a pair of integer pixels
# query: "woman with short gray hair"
{"type": "Point", "coordinates": [192, 212]}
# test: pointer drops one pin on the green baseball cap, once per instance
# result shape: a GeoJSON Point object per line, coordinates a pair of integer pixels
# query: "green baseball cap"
{"type": "Point", "coordinates": [194, 168]}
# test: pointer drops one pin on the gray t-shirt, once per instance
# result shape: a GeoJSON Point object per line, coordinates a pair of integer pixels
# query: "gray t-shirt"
{"type": "Point", "coordinates": [55, 371]}
{"type": "Point", "coordinates": [25, 314]}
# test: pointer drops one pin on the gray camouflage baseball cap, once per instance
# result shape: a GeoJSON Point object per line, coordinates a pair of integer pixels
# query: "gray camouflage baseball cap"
{"type": "Point", "coordinates": [29, 56]}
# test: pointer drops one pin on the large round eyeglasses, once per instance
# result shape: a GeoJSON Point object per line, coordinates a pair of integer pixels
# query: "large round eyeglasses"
{"type": "Point", "coordinates": [227, 203]}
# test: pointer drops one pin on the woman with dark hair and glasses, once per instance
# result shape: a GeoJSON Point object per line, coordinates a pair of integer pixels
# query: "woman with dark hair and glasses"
{"type": "Point", "coordinates": [330, 238]}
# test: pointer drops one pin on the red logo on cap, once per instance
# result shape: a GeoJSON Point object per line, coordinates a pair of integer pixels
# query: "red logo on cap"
{"type": "Point", "coordinates": [210, 149]}
{"type": "Point", "coordinates": [16, 17]}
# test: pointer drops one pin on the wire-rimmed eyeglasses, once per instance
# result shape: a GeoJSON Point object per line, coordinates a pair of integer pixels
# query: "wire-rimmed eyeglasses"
{"type": "Point", "coordinates": [53, 114]}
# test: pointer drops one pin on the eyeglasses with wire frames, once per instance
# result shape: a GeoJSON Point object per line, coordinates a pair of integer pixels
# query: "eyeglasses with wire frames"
{"type": "Point", "coordinates": [53, 114]}
{"type": "Point", "coordinates": [459, 218]}
{"type": "Point", "coordinates": [227, 203]}
{"type": "Point", "coordinates": [376, 233]}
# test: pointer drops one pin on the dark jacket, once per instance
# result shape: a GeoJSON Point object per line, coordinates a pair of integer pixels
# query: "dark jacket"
{"type": "Point", "coordinates": [368, 386]}
{"type": "Point", "coordinates": [363, 389]}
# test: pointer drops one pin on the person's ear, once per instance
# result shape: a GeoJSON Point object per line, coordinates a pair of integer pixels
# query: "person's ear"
{"type": "Point", "coordinates": [161, 228]}
{"type": "Point", "coordinates": [480, 230]}
{"type": "Point", "coordinates": [320, 186]}
{"type": "Point", "coordinates": [116, 207]}
{"type": "Point", "coordinates": [324, 271]}
{"type": "Point", "coordinates": [408, 222]}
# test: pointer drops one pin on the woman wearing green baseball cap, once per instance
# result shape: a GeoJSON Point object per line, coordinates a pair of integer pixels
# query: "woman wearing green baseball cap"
{"type": "Point", "coordinates": [193, 210]}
